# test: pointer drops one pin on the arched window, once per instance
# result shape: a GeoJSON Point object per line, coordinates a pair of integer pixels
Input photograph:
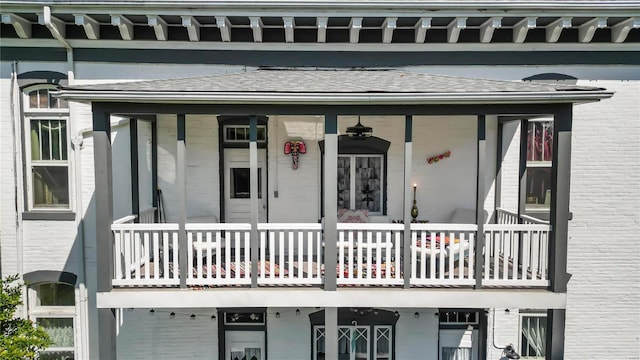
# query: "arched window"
{"type": "Point", "coordinates": [51, 301]}
{"type": "Point", "coordinates": [46, 143]}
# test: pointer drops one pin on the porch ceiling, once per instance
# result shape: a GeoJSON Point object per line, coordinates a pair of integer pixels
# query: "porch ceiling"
{"type": "Point", "coordinates": [337, 86]}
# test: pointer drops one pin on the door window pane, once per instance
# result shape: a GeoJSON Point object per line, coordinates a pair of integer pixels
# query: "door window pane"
{"type": "Point", "coordinates": [50, 186]}
{"type": "Point", "coordinates": [452, 353]}
{"type": "Point", "coordinates": [344, 182]}
{"type": "Point", "coordinates": [241, 183]}
{"type": "Point", "coordinates": [368, 183]}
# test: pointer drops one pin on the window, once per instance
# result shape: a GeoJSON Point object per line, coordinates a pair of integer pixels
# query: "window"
{"type": "Point", "coordinates": [539, 157]}
{"type": "Point", "coordinates": [241, 183]}
{"type": "Point", "coordinates": [47, 150]}
{"type": "Point", "coordinates": [360, 182]}
{"type": "Point", "coordinates": [52, 306]}
{"type": "Point", "coordinates": [240, 133]}
{"type": "Point", "coordinates": [533, 336]}
{"type": "Point", "coordinates": [357, 343]}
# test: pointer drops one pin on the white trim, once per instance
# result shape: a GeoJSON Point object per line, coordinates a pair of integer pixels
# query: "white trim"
{"type": "Point", "coordinates": [343, 297]}
{"type": "Point", "coordinates": [182, 97]}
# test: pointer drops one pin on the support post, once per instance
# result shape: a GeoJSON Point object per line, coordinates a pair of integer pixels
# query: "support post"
{"type": "Point", "coordinates": [135, 179]}
{"type": "Point", "coordinates": [104, 235]}
{"type": "Point", "coordinates": [408, 158]}
{"type": "Point", "coordinates": [498, 179]}
{"type": "Point", "coordinates": [522, 169]}
{"type": "Point", "coordinates": [555, 333]}
{"type": "Point", "coordinates": [331, 332]}
{"type": "Point", "coordinates": [560, 186]}
{"type": "Point", "coordinates": [481, 165]}
{"type": "Point", "coordinates": [253, 191]}
{"type": "Point", "coordinates": [330, 201]}
{"type": "Point", "coordinates": [181, 189]}
{"type": "Point", "coordinates": [154, 170]}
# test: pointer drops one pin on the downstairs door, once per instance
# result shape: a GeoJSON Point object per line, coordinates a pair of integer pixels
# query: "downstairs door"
{"type": "Point", "coordinates": [244, 345]}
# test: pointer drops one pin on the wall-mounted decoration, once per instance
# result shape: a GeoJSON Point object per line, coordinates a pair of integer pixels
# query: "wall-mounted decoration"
{"type": "Point", "coordinates": [295, 148]}
{"type": "Point", "coordinates": [435, 159]}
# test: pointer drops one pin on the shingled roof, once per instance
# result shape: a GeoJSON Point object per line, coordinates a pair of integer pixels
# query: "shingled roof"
{"type": "Point", "coordinates": [323, 84]}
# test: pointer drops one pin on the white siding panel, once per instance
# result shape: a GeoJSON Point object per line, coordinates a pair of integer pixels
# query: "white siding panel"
{"type": "Point", "coordinates": [289, 337]}
{"type": "Point", "coordinates": [417, 338]}
{"type": "Point", "coordinates": [145, 180]}
{"type": "Point", "coordinates": [121, 168]}
{"type": "Point", "coordinates": [144, 337]}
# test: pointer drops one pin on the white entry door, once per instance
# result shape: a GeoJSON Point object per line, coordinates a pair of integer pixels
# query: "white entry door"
{"type": "Point", "coordinates": [244, 345]}
{"type": "Point", "coordinates": [459, 344]}
{"type": "Point", "coordinates": [237, 183]}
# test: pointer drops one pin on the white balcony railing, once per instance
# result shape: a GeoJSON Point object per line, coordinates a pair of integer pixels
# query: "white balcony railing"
{"type": "Point", "coordinates": [511, 217]}
{"type": "Point", "coordinates": [443, 254]}
{"type": "Point", "coordinates": [144, 254]}
{"type": "Point", "coordinates": [516, 255]}
{"type": "Point", "coordinates": [290, 254]}
{"type": "Point", "coordinates": [369, 254]}
{"type": "Point", "coordinates": [219, 254]}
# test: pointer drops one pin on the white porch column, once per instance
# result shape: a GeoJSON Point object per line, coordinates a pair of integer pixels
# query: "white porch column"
{"type": "Point", "coordinates": [408, 158]}
{"type": "Point", "coordinates": [104, 235]}
{"type": "Point", "coordinates": [331, 333]}
{"type": "Point", "coordinates": [181, 190]}
{"type": "Point", "coordinates": [481, 166]}
{"type": "Point", "coordinates": [253, 191]}
{"type": "Point", "coordinates": [330, 200]}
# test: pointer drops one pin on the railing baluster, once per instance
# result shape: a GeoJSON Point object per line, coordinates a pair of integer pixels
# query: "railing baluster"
{"type": "Point", "coordinates": [341, 262]}
{"type": "Point", "coordinates": [199, 254]}
{"type": "Point", "coordinates": [147, 256]}
{"type": "Point", "coordinates": [209, 242]}
{"type": "Point", "coordinates": [263, 244]}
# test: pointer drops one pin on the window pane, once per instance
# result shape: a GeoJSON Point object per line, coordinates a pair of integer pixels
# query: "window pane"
{"type": "Point", "coordinates": [56, 355]}
{"type": "Point", "coordinates": [262, 133]}
{"type": "Point", "coordinates": [60, 330]}
{"type": "Point", "coordinates": [540, 141]}
{"type": "Point", "coordinates": [534, 329]}
{"type": "Point", "coordinates": [344, 182]}
{"type": "Point", "coordinates": [368, 183]}
{"type": "Point", "coordinates": [43, 102]}
{"type": "Point", "coordinates": [231, 133]}
{"type": "Point", "coordinates": [240, 183]}
{"type": "Point", "coordinates": [33, 99]}
{"type": "Point", "coordinates": [55, 294]}
{"type": "Point", "coordinates": [35, 140]}
{"type": "Point", "coordinates": [539, 187]}
{"type": "Point", "coordinates": [50, 186]}
{"type": "Point", "coordinates": [241, 134]}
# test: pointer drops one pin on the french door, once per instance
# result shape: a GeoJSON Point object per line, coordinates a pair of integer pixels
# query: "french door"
{"type": "Point", "coordinates": [356, 342]}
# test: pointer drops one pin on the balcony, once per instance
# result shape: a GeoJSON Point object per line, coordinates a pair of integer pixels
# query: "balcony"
{"type": "Point", "coordinates": [515, 254]}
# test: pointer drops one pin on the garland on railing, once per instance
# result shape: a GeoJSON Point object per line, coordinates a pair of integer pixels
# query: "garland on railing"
{"type": "Point", "coordinates": [435, 159]}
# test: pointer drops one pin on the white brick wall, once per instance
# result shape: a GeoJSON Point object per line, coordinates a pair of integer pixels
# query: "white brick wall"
{"type": "Point", "coordinates": [603, 305]}
{"type": "Point", "coordinates": [8, 220]}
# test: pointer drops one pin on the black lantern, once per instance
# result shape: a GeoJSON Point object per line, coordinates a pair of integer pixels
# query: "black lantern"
{"type": "Point", "coordinates": [359, 131]}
